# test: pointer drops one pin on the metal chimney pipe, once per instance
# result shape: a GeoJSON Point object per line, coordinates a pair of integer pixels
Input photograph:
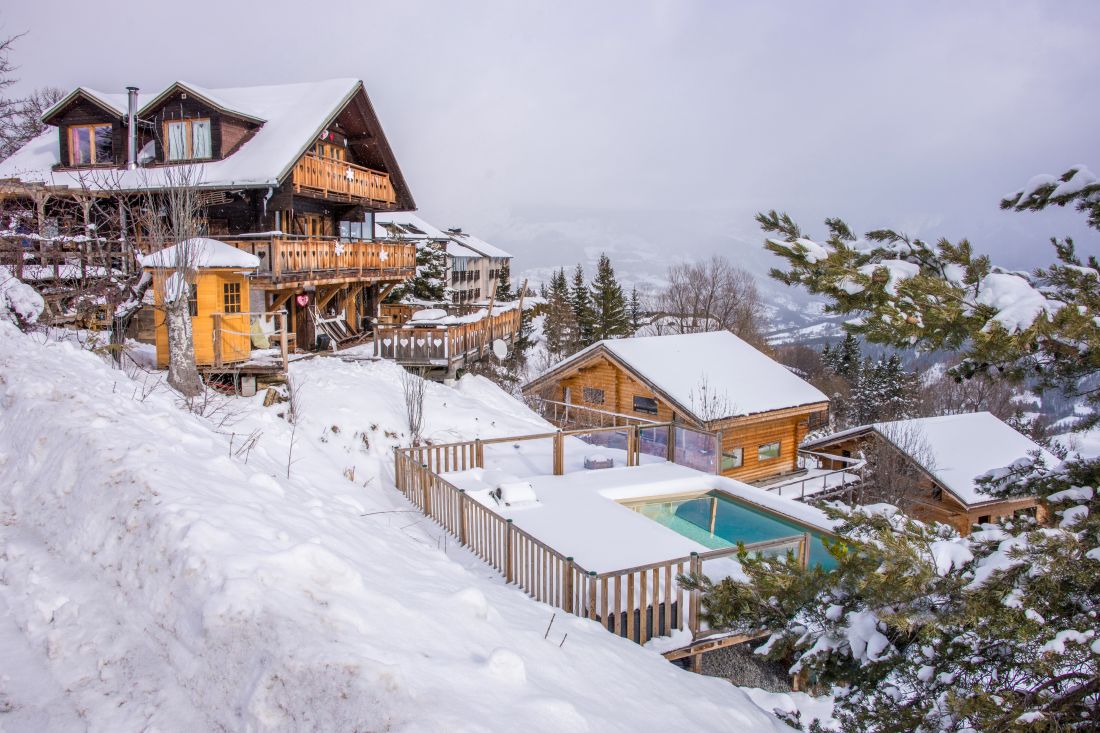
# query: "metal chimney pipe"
{"type": "Point", "coordinates": [131, 123]}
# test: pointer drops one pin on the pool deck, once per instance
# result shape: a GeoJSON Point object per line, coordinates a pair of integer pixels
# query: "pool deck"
{"type": "Point", "coordinates": [579, 513]}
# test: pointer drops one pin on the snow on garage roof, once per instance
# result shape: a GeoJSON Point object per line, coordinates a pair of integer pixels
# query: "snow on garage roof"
{"type": "Point", "coordinates": [204, 253]}
{"type": "Point", "coordinates": [412, 227]}
{"type": "Point", "coordinates": [293, 114]}
{"type": "Point", "coordinates": [958, 447]}
{"type": "Point", "coordinates": [739, 379]}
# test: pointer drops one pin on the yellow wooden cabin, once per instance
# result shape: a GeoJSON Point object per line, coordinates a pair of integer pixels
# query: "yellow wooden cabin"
{"type": "Point", "coordinates": [218, 299]}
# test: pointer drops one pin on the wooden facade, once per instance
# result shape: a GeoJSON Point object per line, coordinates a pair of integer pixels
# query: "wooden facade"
{"type": "Point", "coordinates": [220, 325]}
{"type": "Point", "coordinates": [934, 502]}
{"type": "Point", "coordinates": [754, 447]}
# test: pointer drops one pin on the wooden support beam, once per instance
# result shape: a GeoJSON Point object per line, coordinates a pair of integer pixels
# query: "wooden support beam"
{"type": "Point", "coordinates": [323, 300]}
{"type": "Point", "coordinates": [279, 301]}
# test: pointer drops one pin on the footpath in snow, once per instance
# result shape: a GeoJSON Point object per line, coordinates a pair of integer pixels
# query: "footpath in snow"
{"type": "Point", "coordinates": [160, 571]}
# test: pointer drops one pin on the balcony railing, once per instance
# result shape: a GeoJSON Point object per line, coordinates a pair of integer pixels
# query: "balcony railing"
{"type": "Point", "coordinates": [284, 258]}
{"type": "Point", "coordinates": [335, 177]}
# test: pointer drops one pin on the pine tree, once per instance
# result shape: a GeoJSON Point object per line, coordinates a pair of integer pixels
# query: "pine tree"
{"type": "Point", "coordinates": [504, 284]}
{"type": "Point", "coordinates": [635, 310]}
{"type": "Point", "coordinates": [581, 303]}
{"type": "Point", "coordinates": [559, 326]}
{"type": "Point", "coordinates": [610, 318]}
{"type": "Point", "coordinates": [430, 281]}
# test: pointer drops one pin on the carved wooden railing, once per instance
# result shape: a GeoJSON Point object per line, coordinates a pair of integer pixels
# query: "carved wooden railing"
{"type": "Point", "coordinates": [444, 345]}
{"type": "Point", "coordinates": [285, 257]}
{"type": "Point", "coordinates": [327, 176]}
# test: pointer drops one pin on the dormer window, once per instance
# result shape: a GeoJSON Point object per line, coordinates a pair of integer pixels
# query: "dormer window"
{"type": "Point", "coordinates": [90, 145]}
{"type": "Point", "coordinates": [188, 139]}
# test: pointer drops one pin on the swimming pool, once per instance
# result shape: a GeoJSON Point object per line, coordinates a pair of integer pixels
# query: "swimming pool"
{"type": "Point", "coordinates": [717, 521]}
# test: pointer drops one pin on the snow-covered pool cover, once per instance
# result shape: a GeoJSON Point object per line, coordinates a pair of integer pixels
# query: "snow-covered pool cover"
{"type": "Point", "coordinates": [704, 371]}
{"type": "Point", "coordinates": [962, 447]}
{"type": "Point", "coordinates": [202, 252]}
{"type": "Point", "coordinates": [579, 513]}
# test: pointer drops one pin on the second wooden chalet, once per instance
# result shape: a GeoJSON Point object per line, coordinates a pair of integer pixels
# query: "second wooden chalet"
{"type": "Point", "coordinates": [947, 453]}
{"type": "Point", "coordinates": [292, 174]}
{"type": "Point", "coordinates": [714, 381]}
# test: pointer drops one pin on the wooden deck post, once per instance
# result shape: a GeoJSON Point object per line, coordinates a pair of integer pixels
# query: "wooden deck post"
{"type": "Point", "coordinates": [284, 350]}
{"type": "Point", "coordinates": [567, 589]}
{"type": "Point", "coordinates": [508, 551]}
{"type": "Point", "coordinates": [426, 494]}
{"type": "Point", "coordinates": [631, 447]}
{"type": "Point", "coordinates": [671, 447]}
{"type": "Point", "coordinates": [695, 569]}
{"type": "Point", "coordinates": [559, 458]}
{"type": "Point", "coordinates": [462, 516]}
{"type": "Point", "coordinates": [591, 592]}
{"type": "Point", "coordinates": [479, 453]}
{"type": "Point", "coordinates": [718, 453]}
{"type": "Point", "coordinates": [217, 338]}
{"type": "Point", "coordinates": [804, 551]}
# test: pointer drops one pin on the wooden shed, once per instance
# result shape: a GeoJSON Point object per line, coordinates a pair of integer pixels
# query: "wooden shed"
{"type": "Point", "coordinates": [218, 299]}
{"type": "Point", "coordinates": [947, 453]}
{"type": "Point", "coordinates": [714, 381]}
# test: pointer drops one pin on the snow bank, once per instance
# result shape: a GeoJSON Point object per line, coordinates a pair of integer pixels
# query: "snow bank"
{"type": "Point", "coordinates": [155, 579]}
{"type": "Point", "coordinates": [19, 301]}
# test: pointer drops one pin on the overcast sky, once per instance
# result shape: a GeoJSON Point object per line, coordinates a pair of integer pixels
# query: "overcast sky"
{"type": "Point", "coordinates": [654, 130]}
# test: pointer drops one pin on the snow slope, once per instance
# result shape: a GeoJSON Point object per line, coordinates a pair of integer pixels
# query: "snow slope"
{"type": "Point", "coordinates": [157, 574]}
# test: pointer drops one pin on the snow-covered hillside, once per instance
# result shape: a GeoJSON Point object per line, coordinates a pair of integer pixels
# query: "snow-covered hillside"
{"type": "Point", "coordinates": [160, 571]}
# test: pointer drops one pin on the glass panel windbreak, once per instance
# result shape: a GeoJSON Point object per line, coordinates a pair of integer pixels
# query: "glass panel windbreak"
{"type": "Point", "coordinates": [598, 449]}
{"type": "Point", "coordinates": [695, 449]}
{"type": "Point", "coordinates": [653, 441]}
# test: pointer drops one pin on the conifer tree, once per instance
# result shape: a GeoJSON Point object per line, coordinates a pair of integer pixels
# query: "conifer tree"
{"type": "Point", "coordinates": [504, 284]}
{"type": "Point", "coordinates": [581, 302]}
{"type": "Point", "coordinates": [559, 326]}
{"type": "Point", "coordinates": [430, 281]}
{"type": "Point", "coordinates": [610, 318]}
{"type": "Point", "coordinates": [635, 310]}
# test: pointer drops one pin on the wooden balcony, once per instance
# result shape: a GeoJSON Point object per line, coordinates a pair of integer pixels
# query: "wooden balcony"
{"type": "Point", "coordinates": [286, 260]}
{"type": "Point", "coordinates": [337, 179]}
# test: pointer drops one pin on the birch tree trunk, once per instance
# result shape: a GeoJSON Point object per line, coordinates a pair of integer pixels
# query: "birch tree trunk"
{"type": "Point", "coordinates": [183, 375]}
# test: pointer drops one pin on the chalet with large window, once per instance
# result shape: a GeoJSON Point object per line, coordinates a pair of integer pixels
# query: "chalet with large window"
{"type": "Point", "coordinates": [714, 381]}
{"type": "Point", "coordinates": [473, 266]}
{"type": "Point", "coordinates": [292, 174]}
{"type": "Point", "coordinates": [946, 454]}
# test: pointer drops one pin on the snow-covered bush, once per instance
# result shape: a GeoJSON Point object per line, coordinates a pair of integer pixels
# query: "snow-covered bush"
{"type": "Point", "coordinates": [19, 302]}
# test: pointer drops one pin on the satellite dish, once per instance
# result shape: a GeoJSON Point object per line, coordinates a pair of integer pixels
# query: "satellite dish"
{"type": "Point", "coordinates": [500, 349]}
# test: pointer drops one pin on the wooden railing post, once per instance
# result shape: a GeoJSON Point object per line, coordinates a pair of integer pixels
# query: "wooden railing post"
{"type": "Point", "coordinates": [479, 453]}
{"type": "Point", "coordinates": [284, 350]}
{"type": "Point", "coordinates": [671, 447]}
{"type": "Point", "coordinates": [426, 493]}
{"type": "Point", "coordinates": [462, 516]}
{"type": "Point", "coordinates": [718, 453]}
{"type": "Point", "coordinates": [508, 551]}
{"type": "Point", "coordinates": [591, 592]}
{"type": "Point", "coordinates": [559, 457]}
{"type": "Point", "coordinates": [567, 589]}
{"type": "Point", "coordinates": [696, 569]}
{"type": "Point", "coordinates": [804, 551]}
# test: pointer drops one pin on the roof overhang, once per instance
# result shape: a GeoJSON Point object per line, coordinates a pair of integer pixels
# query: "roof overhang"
{"type": "Point", "coordinates": [90, 96]}
{"type": "Point", "coordinates": [180, 86]}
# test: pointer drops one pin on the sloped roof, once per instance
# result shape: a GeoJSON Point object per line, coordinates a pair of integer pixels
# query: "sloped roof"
{"type": "Point", "coordinates": [212, 97]}
{"type": "Point", "coordinates": [739, 380]}
{"type": "Point", "coordinates": [293, 116]}
{"type": "Point", "coordinates": [953, 449]}
{"type": "Point", "coordinates": [202, 252]}
{"type": "Point", "coordinates": [113, 103]}
{"type": "Point", "coordinates": [413, 228]}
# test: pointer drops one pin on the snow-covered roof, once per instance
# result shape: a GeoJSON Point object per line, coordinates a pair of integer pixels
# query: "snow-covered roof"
{"type": "Point", "coordinates": [293, 116]}
{"type": "Point", "coordinates": [116, 103]}
{"type": "Point", "coordinates": [954, 449]}
{"type": "Point", "coordinates": [710, 376]}
{"type": "Point", "coordinates": [412, 227]}
{"type": "Point", "coordinates": [202, 252]}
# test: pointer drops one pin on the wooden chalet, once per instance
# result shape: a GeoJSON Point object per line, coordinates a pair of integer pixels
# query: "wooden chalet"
{"type": "Point", "coordinates": [947, 452]}
{"type": "Point", "coordinates": [713, 381]}
{"type": "Point", "coordinates": [291, 174]}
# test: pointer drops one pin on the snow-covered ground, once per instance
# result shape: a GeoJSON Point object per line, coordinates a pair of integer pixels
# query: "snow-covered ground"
{"type": "Point", "coordinates": [162, 570]}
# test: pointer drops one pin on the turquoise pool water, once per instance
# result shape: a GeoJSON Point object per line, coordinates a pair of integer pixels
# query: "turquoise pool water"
{"type": "Point", "coordinates": [733, 522]}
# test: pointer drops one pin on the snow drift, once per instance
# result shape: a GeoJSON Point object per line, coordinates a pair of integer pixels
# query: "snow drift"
{"type": "Point", "coordinates": [155, 580]}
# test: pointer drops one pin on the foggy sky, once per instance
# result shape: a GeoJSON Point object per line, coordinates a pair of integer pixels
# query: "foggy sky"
{"type": "Point", "coordinates": [653, 130]}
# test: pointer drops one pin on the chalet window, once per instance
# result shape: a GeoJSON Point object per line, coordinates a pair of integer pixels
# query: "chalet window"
{"type": "Point", "coordinates": [984, 519]}
{"type": "Point", "coordinates": [768, 451]}
{"type": "Point", "coordinates": [188, 139]}
{"type": "Point", "coordinates": [648, 405]}
{"type": "Point", "coordinates": [232, 297]}
{"type": "Point", "coordinates": [353, 230]}
{"type": "Point", "coordinates": [732, 459]}
{"type": "Point", "coordinates": [90, 145]}
{"type": "Point", "coordinates": [593, 396]}
{"type": "Point", "coordinates": [193, 301]}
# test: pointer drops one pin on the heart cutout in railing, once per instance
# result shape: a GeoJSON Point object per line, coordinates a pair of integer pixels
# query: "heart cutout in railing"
{"type": "Point", "coordinates": [420, 342]}
{"type": "Point", "coordinates": [387, 342]}
{"type": "Point", "coordinates": [404, 342]}
{"type": "Point", "coordinates": [438, 342]}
